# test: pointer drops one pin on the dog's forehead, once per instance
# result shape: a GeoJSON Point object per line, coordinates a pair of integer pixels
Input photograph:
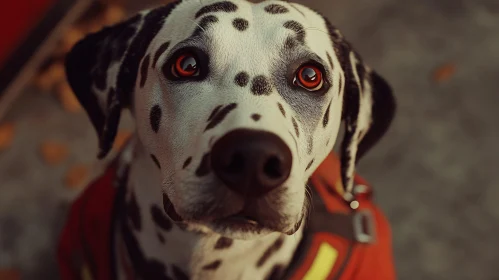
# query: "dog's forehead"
{"type": "Point", "coordinates": [255, 33]}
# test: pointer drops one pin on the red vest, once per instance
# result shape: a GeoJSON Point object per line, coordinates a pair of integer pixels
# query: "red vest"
{"type": "Point", "coordinates": [338, 242]}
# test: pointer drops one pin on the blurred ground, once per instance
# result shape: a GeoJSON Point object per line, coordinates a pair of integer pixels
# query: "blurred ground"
{"type": "Point", "coordinates": [435, 172]}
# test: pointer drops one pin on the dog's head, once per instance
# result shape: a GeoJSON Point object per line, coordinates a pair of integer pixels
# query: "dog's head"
{"type": "Point", "coordinates": [237, 104]}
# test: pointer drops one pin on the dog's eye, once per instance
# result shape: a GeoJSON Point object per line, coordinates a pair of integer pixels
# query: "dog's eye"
{"type": "Point", "coordinates": [309, 77]}
{"type": "Point", "coordinates": [185, 66]}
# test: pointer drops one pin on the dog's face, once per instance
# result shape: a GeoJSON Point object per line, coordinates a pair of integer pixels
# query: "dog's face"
{"type": "Point", "coordinates": [237, 104]}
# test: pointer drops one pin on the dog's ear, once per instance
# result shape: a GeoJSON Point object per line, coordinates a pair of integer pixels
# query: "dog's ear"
{"type": "Point", "coordinates": [102, 69]}
{"type": "Point", "coordinates": [368, 107]}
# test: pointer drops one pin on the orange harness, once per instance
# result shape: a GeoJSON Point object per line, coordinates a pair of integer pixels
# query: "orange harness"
{"type": "Point", "coordinates": [338, 242]}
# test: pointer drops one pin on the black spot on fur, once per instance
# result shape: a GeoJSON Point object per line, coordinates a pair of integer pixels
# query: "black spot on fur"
{"type": "Point", "coordinates": [224, 6]}
{"type": "Point", "coordinates": [155, 117]}
{"type": "Point", "coordinates": [220, 116]}
{"type": "Point", "coordinates": [179, 273]}
{"type": "Point", "coordinates": [256, 117]}
{"type": "Point", "coordinates": [240, 24]}
{"type": "Point", "coordinates": [168, 207]}
{"type": "Point", "coordinates": [204, 166]}
{"type": "Point", "coordinates": [340, 85]}
{"type": "Point", "coordinates": [187, 162]}
{"type": "Point", "coordinates": [159, 52]}
{"type": "Point", "coordinates": [261, 85]}
{"type": "Point", "coordinates": [295, 125]}
{"type": "Point", "coordinates": [241, 79]}
{"type": "Point", "coordinates": [276, 9]}
{"type": "Point", "coordinates": [212, 266]}
{"type": "Point", "coordinates": [270, 251]}
{"type": "Point", "coordinates": [330, 59]}
{"type": "Point", "coordinates": [204, 24]}
{"type": "Point", "coordinates": [143, 70]}
{"type": "Point", "coordinates": [281, 108]}
{"type": "Point", "coordinates": [325, 120]}
{"type": "Point", "coordinates": [309, 164]}
{"type": "Point", "coordinates": [298, 28]}
{"type": "Point", "coordinates": [223, 243]}
{"type": "Point", "coordinates": [290, 43]}
{"type": "Point", "coordinates": [133, 212]}
{"type": "Point", "coordinates": [214, 112]}
{"type": "Point", "coordinates": [152, 24]}
{"type": "Point", "coordinates": [310, 145]}
{"type": "Point", "coordinates": [160, 218]}
{"type": "Point", "coordinates": [275, 273]}
{"type": "Point", "coordinates": [100, 75]}
{"type": "Point", "coordinates": [155, 160]}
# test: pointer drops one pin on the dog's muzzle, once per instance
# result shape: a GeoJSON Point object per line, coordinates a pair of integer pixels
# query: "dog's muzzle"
{"type": "Point", "coordinates": [251, 162]}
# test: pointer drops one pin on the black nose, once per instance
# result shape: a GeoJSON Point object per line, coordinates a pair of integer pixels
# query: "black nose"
{"type": "Point", "coordinates": [251, 162]}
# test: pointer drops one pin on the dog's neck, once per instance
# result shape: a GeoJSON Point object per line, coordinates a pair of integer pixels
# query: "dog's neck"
{"type": "Point", "coordinates": [157, 245]}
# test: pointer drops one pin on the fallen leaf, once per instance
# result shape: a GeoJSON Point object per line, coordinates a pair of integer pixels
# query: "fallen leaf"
{"type": "Point", "coordinates": [76, 176]}
{"type": "Point", "coordinates": [47, 79]}
{"type": "Point", "coordinates": [72, 36]}
{"type": "Point", "coordinates": [113, 14]}
{"type": "Point", "coordinates": [67, 98]}
{"type": "Point", "coordinates": [10, 274]}
{"type": "Point", "coordinates": [444, 72]}
{"type": "Point", "coordinates": [54, 152]}
{"type": "Point", "coordinates": [121, 138]}
{"type": "Point", "coordinates": [6, 135]}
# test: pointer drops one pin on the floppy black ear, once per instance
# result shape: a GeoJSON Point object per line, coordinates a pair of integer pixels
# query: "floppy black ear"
{"type": "Point", "coordinates": [102, 69]}
{"type": "Point", "coordinates": [368, 107]}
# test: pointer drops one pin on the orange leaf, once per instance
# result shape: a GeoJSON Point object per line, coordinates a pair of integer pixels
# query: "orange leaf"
{"type": "Point", "coordinates": [121, 138]}
{"type": "Point", "coordinates": [76, 176]}
{"type": "Point", "coordinates": [6, 135]}
{"type": "Point", "coordinates": [444, 72]}
{"type": "Point", "coordinates": [54, 152]}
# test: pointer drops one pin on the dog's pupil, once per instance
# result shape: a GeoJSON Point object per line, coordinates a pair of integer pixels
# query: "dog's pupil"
{"type": "Point", "coordinates": [309, 74]}
{"type": "Point", "coordinates": [189, 64]}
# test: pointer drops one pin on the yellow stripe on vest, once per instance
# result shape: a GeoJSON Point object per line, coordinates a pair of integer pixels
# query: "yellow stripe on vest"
{"type": "Point", "coordinates": [323, 263]}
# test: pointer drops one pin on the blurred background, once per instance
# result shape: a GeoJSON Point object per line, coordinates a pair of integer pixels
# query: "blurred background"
{"type": "Point", "coordinates": [436, 173]}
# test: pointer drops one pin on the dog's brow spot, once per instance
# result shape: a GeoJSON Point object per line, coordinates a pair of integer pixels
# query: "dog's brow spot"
{"type": "Point", "coordinates": [330, 59]}
{"type": "Point", "coordinates": [224, 6]}
{"type": "Point", "coordinates": [204, 166]}
{"type": "Point", "coordinates": [143, 70]}
{"type": "Point", "coordinates": [241, 79]}
{"type": "Point", "coordinates": [309, 164]}
{"type": "Point", "coordinates": [133, 212]}
{"type": "Point", "coordinates": [159, 52]}
{"type": "Point", "coordinates": [212, 266]}
{"type": "Point", "coordinates": [179, 273]}
{"type": "Point", "coordinates": [204, 24]}
{"type": "Point", "coordinates": [290, 43]}
{"type": "Point", "coordinates": [214, 112]}
{"type": "Point", "coordinates": [223, 243]}
{"type": "Point", "coordinates": [261, 86]}
{"type": "Point", "coordinates": [256, 117]}
{"type": "Point", "coordinates": [297, 28]}
{"type": "Point", "coordinates": [295, 125]}
{"type": "Point", "coordinates": [155, 117]}
{"type": "Point", "coordinates": [325, 120]}
{"type": "Point", "coordinates": [270, 251]}
{"type": "Point", "coordinates": [220, 116]}
{"type": "Point", "coordinates": [240, 24]}
{"type": "Point", "coordinates": [187, 162]}
{"type": "Point", "coordinates": [155, 160]}
{"type": "Point", "coordinates": [160, 218]}
{"type": "Point", "coordinates": [281, 108]}
{"type": "Point", "coordinates": [276, 272]}
{"type": "Point", "coordinates": [276, 9]}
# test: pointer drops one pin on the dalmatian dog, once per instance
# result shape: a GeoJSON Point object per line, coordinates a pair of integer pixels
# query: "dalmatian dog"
{"type": "Point", "coordinates": [235, 105]}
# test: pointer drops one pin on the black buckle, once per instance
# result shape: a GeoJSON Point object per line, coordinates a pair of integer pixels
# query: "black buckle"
{"type": "Point", "coordinates": [364, 229]}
